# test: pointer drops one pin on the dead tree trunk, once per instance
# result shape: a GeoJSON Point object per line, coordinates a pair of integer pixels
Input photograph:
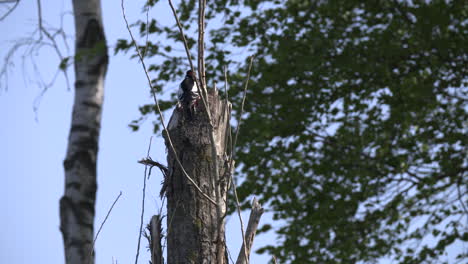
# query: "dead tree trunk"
{"type": "Point", "coordinates": [78, 202]}
{"type": "Point", "coordinates": [195, 230]}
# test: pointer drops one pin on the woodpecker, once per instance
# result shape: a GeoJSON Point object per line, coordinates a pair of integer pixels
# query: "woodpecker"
{"type": "Point", "coordinates": [188, 93]}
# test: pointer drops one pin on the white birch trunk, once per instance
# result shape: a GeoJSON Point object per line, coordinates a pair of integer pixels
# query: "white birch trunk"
{"type": "Point", "coordinates": [78, 202]}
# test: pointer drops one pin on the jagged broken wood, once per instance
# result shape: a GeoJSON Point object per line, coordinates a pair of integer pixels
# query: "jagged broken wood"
{"type": "Point", "coordinates": [154, 237]}
{"type": "Point", "coordinates": [150, 162]}
{"type": "Point", "coordinates": [252, 226]}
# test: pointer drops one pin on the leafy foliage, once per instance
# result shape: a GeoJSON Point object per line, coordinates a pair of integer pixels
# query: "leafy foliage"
{"type": "Point", "coordinates": [355, 126]}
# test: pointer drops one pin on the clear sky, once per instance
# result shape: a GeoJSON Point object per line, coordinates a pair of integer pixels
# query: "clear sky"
{"type": "Point", "coordinates": [33, 145]}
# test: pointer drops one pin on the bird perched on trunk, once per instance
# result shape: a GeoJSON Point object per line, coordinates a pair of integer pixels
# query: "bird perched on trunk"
{"type": "Point", "coordinates": [188, 93]}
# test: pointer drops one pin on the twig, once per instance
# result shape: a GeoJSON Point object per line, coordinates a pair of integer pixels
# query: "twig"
{"type": "Point", "coordinates": [187, 50]}
{"type": "Point", "coordinates": [254, 219]}
{"type": "Point", "coordinates": [10, 10]}
{"type": "Point", "coordinates": [32, 45]}
{"type": "Point", "coordinates": [229, 255]}
{"type": "Point", "coordinates": [143, 204]}
{"type": "Point", "coordinates": [52, 39]}
{"type": "Point", "coordinates": [102, 224]}
{"type": "Point", "coordinates": [159, 111]}
{"type": "Point", "coordinates": [239, 119]}
{"type": "Point", "coordinates": [39, 16]}
{"type": "Point", "coordinates": [231, 164]}
{"type": "Point", "coordinates": [460, 199]}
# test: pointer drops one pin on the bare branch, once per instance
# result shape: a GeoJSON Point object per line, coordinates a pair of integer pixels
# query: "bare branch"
{"type": "Point", "coordinates": [231, 162]}
{"type": "Point", "coordinates": [239, 119]}
{"type": "Point", "coordinates": [32, 45]}
{"type": "Point", "coordinates": [51, 37]}
{"type": "Point", "coordinates": [187, 50]}
{"type": "Point", "coordinates": [164, 170]}
{"type": "Point", "coordinates": [11, 9]}
{"type": "Point", "coordinates": [153, 92]}
{"type": "Point", "coordinates": [143, 203]}
{"type": "Point", "coordinates": [39, 15]}
{"type": "Point", "coordinates": [102, 224]}
{"type": "Point", "coordinates": [229, 255]}
{"type": "Point", "coordinates": [254, 219]}
{"type": "Point", "coordinates": [201, 41]}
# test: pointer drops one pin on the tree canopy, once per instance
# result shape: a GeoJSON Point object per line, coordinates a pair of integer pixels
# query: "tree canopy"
{"type": "Point", "coordinates": [354, 130]}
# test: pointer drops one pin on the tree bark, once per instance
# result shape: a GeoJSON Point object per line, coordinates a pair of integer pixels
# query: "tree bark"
{"type": "Point", "coordinates": [77, 206]}
{"type": "Point", "coordinates": [196, 232]}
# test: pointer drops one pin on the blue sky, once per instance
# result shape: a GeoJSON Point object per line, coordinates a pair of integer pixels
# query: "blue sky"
{"type": "Point", "coordinates": [33, 145]}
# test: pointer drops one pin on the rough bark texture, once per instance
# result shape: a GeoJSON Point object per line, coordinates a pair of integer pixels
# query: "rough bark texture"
{"type": "Point", "coordinates": [193, 222]}
{"type": "Point", "coordinates": [78, 202]}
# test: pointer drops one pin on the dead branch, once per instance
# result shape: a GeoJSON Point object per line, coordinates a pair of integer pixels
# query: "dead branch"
{"type": "Point", "coordinates": [51, 37]}
{"type": "Point", "coordinates": [154, 237]}
{"type": "Point", "coordinates": [201, 41]}
{"type": "Point", "coordinates": [239, 119]}
{"type": "Point", "coordinates": [164, 170]}
{"type": "Point", "coordinates": [32, 45]}
{"type": "Point", "coordinates": [9, 10]}
{"type": "Point", "coordinates": [103, 222]}
{"type": "Point", "coordinates": [254, 219]}
{"type": "Point", "coordinates": [149, 162]}
{"type": "Point", "coordinates": [231, 163]}
{"type": "Point", "coordinates": [143, 203]}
